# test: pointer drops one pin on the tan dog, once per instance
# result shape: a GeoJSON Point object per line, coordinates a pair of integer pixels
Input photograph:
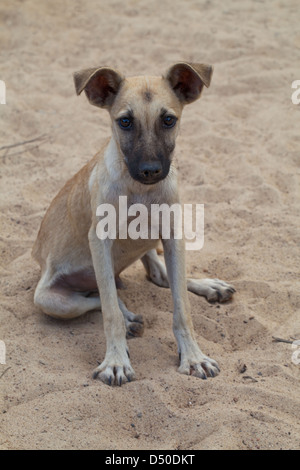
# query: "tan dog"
{"type": "Point", "coordinates": [137, 162]}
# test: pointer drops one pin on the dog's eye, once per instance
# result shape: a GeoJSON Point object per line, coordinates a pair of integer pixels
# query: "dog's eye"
{"type": "Point", "coordinates": [125, 122]}
{"type": "Point", "coordinates": [169, 121]}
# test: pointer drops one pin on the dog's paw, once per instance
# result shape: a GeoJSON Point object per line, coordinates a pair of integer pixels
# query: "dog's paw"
{"type": "Point", "coordinates": [203, 368]}
{"type": "Point", "coordinates": [114, 371]}
{"type": "Point", "coordinates": [134, 323]}
{"type": "Point", "coordinates": [134, 326]}
{"type": "Point", "coordinates": [214, 290]}
{"type": "Point", "coordinates": [219, 291]}
{"type": "Point", "coordinates": [134, 329]}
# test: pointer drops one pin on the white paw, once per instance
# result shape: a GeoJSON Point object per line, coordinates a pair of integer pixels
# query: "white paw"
{"type": "Point", "coordinates": [214, 290]}
{"type": "Point", "coordinates": [115, 369]}
{"type": "Point", "coordinates": [202, 367]}
{"type": "Point", "coordinates": [194, 362]}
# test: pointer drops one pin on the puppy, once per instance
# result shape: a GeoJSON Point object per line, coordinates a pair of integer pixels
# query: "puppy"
{"type": "Point", "coordinates": [80, 271]}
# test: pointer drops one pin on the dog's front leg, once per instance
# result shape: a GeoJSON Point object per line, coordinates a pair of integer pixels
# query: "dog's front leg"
{"type": "Point", "coordinates": [192, 360]}
{"type": "Point", "coordinates": [116, 367]}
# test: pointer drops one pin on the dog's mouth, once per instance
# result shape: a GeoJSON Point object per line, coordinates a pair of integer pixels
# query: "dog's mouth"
{"type": "Point", "coordinates": [148, 180]}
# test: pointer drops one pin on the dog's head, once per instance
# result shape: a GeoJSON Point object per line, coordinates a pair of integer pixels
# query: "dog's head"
{"type": "Point", "coordinates": [145, 112]}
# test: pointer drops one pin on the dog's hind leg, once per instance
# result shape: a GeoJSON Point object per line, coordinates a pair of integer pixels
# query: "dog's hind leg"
{"type": "Point", "coordinates": [155, 269]}
{"type": "Point", "coordinates": [67, 295]}
{"type": "Point", "coordinates": [60, 301]}
{"type": "Point", "coordinates": [212, 289]}
{"type": "Point", "coordinates": [64, 303]}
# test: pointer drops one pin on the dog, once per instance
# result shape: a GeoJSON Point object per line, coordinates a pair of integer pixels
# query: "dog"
{"type": "Point", "coordinates": [79, 271]}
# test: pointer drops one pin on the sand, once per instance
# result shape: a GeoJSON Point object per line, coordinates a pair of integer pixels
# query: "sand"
{"type": "Point", "coordinates": [238, 153]}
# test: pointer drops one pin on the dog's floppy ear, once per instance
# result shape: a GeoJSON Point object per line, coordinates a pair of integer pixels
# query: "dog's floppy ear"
{"type": "Point", "coordinates": [100, 84]}
{"type": "Point", "coordinates": [187, 80]}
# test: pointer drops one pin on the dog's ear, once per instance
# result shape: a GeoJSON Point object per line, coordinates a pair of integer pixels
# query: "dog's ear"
{"type": "Point", "coordinates": [187, 80]}
{"type": "Point", "coordinates": [100, 84]}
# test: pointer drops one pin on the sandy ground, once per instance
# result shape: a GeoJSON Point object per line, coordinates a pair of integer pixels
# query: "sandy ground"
{"type": "Point", "coordinates": [238, 153]}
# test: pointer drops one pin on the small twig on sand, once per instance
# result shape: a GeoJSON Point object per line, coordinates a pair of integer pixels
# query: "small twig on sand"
{"type": "Point", "coordinates": [24, 142]}
{"type": "Point", "coordinates": [4, 372]}
{"type": "Point", "coordinates": [27, 149]}
{"type": "Point", "coordinates": [7, 148]}
{"type": "Point", "coordinates": [248, 377]}
{"type": "Point", "coordinates": [280, 340]}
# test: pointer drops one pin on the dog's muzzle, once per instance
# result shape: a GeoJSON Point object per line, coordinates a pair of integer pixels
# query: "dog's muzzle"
{"type": "Point", "coordinates": [149, 172]}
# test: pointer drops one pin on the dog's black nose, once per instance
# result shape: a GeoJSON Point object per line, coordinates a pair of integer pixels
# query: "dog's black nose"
{"type": "Point", "coordinates": [150, 172]}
